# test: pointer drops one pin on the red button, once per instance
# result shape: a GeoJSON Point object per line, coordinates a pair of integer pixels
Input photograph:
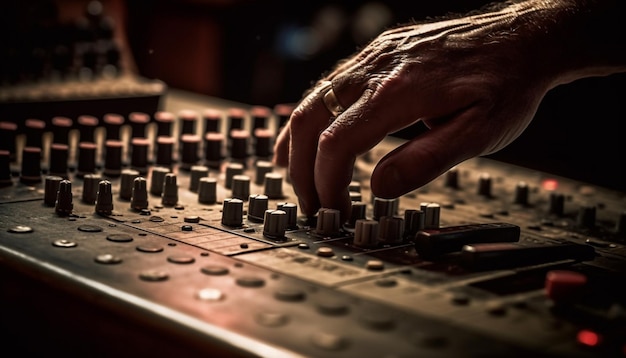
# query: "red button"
{"type": "Point", "coordinates": [563, 285]}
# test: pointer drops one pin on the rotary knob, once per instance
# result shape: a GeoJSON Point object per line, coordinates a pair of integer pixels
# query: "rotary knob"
{"type": "Point", "coordinates": [328, 222]}
{"type": "Point", "coordinates": [452, 178]}
{"type": "Point", "coordinates": [207, 190]}
{"type": "Point", "coordinates": [432, 213]}
{"type": "Point", "coordinates": [139, 199]}
{"type": "Point", "coordinates": [484, 185]}
{"type": "Point", "coordinates": [257, 205]}
{"type": "Point", "coordinates": [232, 212]}
{"type": "Point", "coordinates": [64, 205]}
{"type": "Point", "coordinates": [262, 167]}
{"type": "Point", "coordinates": [292, 214]}
{"type": "Point", "coordinates": [197, 172]}
{"type": "Point", "coordinates": [169, 196]}
{"type": "Point", "coordinates": [241, 187]}
{"type": "Point", "coordinates": [414, 221]}
{"type": "Point", "coordinates": [357, 212]}
{"type": "Point", "coordinates": [90, 188]}
{"type": "Point", "coordinates": [158, 179]}
{"type": "Point", "coordinates": [274, 185]}
{"type": "Point", "coordinates": [126, 183]}
{"type": "Point", "coordinates": [104, 201]}
{"type": "Point", "coordinates": [366, 233]}
{"type": "Point", "coordinates": [384, 207]}
{"type": "Point", "coordinates": [31, 165]}
{"type": "Point", "coordinates": [391, 230]}
{"type": "Point", "coordinates": [586, 217]}
{"type": "Point", "coordinates": [50, 189]}
{"type": "Point", "coordinates": [275, 224]}
{"type": "Point", "coordinates": [557, 204]}
{"type": "Point", "coordinates": [521, 193]}
{"type": "Point", "coordinates": [113, 158]}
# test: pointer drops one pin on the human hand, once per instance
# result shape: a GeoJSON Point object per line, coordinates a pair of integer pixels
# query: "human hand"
{"type": "Point", "coordinates": [474, 81]}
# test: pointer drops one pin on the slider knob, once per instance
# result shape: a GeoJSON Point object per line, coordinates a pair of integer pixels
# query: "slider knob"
{"type": "Point", "coordinates": [213, 143]}
{"type": "Point", "coordinates": [328, 222]}
{"type": "Point", "coordinates": [138, 122]}
{"type": "Point", "coordinates": [391, 229]}
{"type": "Point", "coordinates": [239, 144]}
{"type": "Point", "coordinates": [212, 120]}
{"type": "Point", "coordinates": [366, 233]}
{"type": "Point", "coordinates": [188, 119]}
{"type": "Point", "coordinates": [112, 124]}
{"type": "Point", "coordinates": [34, 132]}
{"type": "Point", "coordinates": [262, 143]}
{"type": "Point", "coordinates": [86, 128]}
{"type": "Point", "coordinates": [64, 205]}
{"type": "Point", "coordinates": [190, 145]}
{"type": "Point", "coordinates": [164, 121]}
{"type": "Point", "coordinates": [232, 212]}
{"type": "Point", "coordinates": [275, 224]}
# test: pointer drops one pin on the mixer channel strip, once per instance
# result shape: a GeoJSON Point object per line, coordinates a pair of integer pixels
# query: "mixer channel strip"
{"type": "Point", "coordinates": [182, 219]}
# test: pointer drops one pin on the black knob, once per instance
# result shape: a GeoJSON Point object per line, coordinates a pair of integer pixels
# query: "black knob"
{"type": "Point", "coordinates": [64, 205]}
{"type": "Point", "coordinates": [31, 165]}
{"type": "Point", "coordinates": [104, 200]}
{"type": "Point", "coordinates": [139, 198]}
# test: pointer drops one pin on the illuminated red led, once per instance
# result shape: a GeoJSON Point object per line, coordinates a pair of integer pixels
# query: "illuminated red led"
{"type": "Point", "coordinates": [550, 184]}
{"type": "Point", "coordinates": [588, 338]}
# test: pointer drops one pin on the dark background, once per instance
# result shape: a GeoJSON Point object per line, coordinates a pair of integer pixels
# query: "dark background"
{"type": "Point", "coordinates": [577, 132]}
{"type": "Point", "coordinates": [262, 53]}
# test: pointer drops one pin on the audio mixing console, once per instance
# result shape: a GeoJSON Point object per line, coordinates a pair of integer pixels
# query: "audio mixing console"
{"type": "Point", "coordinates": [172, 233]}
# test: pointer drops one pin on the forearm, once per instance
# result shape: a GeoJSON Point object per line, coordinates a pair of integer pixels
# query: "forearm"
{"type": "Point", "coordinates": [574, 39]}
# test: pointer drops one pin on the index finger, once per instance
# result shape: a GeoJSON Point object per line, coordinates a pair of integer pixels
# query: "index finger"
{"type": "Point", "coordinates": [307, 121]}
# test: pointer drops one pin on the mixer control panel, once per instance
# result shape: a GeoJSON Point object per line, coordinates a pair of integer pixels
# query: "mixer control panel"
{"type": "Point", "coordinates": [181, 218]}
